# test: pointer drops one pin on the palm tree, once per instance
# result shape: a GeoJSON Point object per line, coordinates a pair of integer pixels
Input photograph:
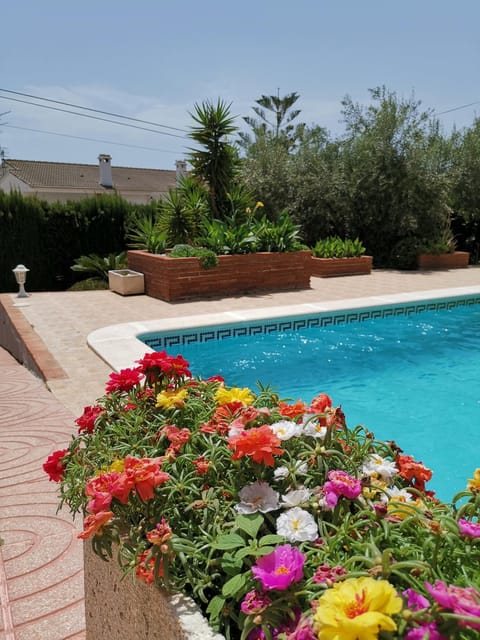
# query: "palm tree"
{"type": "Point", "coordinates": [216, 162]}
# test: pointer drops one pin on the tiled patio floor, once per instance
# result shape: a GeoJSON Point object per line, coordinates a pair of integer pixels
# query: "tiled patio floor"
{"type": "Point", "coordinates": [41, 588]}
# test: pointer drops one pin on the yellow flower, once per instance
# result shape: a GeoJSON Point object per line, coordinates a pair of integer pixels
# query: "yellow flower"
{"type": "Point", "coordinates": [234, 394]}
{"type": "Point", "coordinates": [259, 204]}
{"type": "Point", "coordinates": [169, 399]}
{"type": "Point", "coordinates": [117, 465]}
{"type": "Point", "coordinates": [474, 483]}
{"type": "Point", "coordinates": [357, 609]}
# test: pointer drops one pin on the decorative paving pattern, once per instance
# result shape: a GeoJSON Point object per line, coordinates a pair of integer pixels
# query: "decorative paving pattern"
{"type": "Point", "coordinates": [166, 340]}
{"type": "Point", "coordinates": [41, 559]}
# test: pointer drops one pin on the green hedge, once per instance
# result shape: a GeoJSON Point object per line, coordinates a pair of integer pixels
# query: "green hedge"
{"type": "Point", "coordinates": [48, 237]}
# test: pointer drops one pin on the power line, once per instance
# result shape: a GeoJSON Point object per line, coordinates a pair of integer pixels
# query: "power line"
{"type": "Point", "coordinates": [463, 106]}
{"type": "Point", "coordinates": [86, 115]}
{"type": "Point", "coordinates": [66, 135]}
{"type": "Point", "coordinates": [77, 106]}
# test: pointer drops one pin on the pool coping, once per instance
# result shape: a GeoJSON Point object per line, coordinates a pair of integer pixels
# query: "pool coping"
{"type": "Point", "coordinates": [118, 345]}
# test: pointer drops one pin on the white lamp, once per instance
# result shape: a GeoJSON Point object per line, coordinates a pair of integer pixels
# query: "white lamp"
{"type": "Point", "coordinates": [20, 272]}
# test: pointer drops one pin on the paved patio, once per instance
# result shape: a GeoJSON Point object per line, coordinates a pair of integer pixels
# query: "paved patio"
{"type": "Point", "coordinates": [41, 588]}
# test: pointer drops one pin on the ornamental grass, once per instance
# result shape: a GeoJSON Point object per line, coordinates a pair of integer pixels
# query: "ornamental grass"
{"type": "Point", "coordinates": [279, 520]}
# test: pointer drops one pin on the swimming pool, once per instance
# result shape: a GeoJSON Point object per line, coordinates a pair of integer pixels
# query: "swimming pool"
{"type": "Point", "coordinates": [409, 372]}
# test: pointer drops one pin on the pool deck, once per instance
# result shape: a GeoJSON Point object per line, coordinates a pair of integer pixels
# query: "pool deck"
{"type": "Point", "coordinates": [41, 583]}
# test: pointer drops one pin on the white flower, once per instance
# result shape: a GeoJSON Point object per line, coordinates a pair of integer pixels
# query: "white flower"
{"type": "Point", "coordinates": [280, 473]}
{"type": "Point", "coordinates": [376, 466]}
{"type": "Point", "coordinates": [296, 498]}
{"type": "Point", "coordinates": [398, 495]}
{"type": "Point", "coordinates": [314, 428]}
{"type": "Point", "coordinates": [286, 429]}
{"type": "Point", "coordinates": [297, 525]}
{"type": "Point", "coordinates": [258, 496]}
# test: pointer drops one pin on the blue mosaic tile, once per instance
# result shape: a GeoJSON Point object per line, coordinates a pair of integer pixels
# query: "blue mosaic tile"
{"type": "Point", "coordinates": [166, 340]}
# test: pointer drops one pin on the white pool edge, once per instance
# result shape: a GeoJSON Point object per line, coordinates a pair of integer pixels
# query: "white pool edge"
{"type": "Point", "coordinates": [118, 345]}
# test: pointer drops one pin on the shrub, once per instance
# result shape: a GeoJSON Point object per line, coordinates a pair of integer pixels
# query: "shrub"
{"type": "Point", "coordinates": [335, 247]}
{"type": "Point", "coordinates": [208, 259]}
{"type": "Point", "coordinates": [276, 517]}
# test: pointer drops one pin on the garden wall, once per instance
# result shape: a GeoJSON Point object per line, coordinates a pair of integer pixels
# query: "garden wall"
{"type": "Point", "coordinates": [174, 279]}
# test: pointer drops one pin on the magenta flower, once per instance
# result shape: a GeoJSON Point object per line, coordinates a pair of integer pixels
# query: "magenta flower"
{"type": "Point", "coordinates": [279, 569]}
{"type": "Point", "coordinates": [340, 483]}
{"type": "Point", "coordinates": [463, 601]}
{"type": "Point", "coordinates": [426, 631]}
{"type": "Point", "coordinates": [469, 529]}
{"type": "Point", "coordinates": [415, 601]}
{"type": "Point", "coordinates": [255, 602]}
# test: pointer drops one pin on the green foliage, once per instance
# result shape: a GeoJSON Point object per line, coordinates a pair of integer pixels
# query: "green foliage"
{"type": "Point", "coordinates": [208, 259]}
{"type": "Point", "coordinates": [216, 162]}
{"type": "Point", "coordinates": [144, 234]}
{"type": "Point", "coordinates": [199, 485]}
{"type": "Point", "coordinates": [99, 266]}
{"type": "Point", "coordinates": [281, 235]}
{"type": "Point", "coordinates": [335, 247]}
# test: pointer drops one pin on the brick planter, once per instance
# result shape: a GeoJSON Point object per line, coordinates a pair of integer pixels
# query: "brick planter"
{"type": "Point", "coordinates": [174, 279]}
{"type": "Point", "coordinates": [454, 260]}
{"type": "Point", "coordinates": [330, 267]}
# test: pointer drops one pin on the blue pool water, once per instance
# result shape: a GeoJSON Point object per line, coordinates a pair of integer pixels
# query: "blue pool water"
{"type": "Point", "coordinates": [414, 379]}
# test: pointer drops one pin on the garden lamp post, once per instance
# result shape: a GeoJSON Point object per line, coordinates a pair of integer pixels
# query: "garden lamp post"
{"type": "Point", "coordinates": [20, 272]}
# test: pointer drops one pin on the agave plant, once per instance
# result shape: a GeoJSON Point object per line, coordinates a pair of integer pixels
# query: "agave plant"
{"type": "Point", "coordinates": [144, 234]}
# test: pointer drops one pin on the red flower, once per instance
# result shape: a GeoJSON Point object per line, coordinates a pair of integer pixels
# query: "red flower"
{"type": "Point", "coordinates": [94, 524]}
{"type": "Point", "coordinates": [175, 435]}
{"type": "Point", "coordinates": [320, 403]}
{"type": "Point", "coordinates": [160, 362]}
{"type": "Point", "coordinates": [260, 443]}
{"type": "Point", "coordinates": [160, 534]}
{"type": "Point", "coordinates": [411, 470]}
{"type": "Point", "coordinates": [202, 465]}
{"type": "Point", "coordinates": [124, 380]}
{"type": "Point", "coordinates": [54, 465]}
{"type": "Point", "coordinates": [145, 570]}
{"type": "Point", "coordinates": [86, 422]}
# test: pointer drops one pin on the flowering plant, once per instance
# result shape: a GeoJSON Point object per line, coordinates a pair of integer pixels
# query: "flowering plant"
{"type": "Point", "coordinates": [275, 517]}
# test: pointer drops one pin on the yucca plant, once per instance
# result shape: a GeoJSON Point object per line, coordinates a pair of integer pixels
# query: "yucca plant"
{"type": "Point", "coordinates": [98, 266]}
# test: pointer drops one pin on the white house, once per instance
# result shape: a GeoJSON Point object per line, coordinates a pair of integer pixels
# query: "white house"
{"type": "Point", "coordinates": [60, 181]}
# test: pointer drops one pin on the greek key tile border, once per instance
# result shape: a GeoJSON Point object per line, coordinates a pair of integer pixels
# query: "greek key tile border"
{"type": "Point", "coordinates": [166, 340]}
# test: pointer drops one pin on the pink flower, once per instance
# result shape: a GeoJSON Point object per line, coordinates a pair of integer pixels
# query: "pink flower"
{"type": "Point", "coordinates": [159, 362]}
{"type": "Point", "coordinates": [279, 569]}
{"type": "Point", "coordinates": [325, 573]}
{"type": "Point", "coordinates": [426, 631]}
{"type": "Point", "coordinates": [415, 601]}
{"type": "Point", "coordinates": [124, 380]}
{"type": "Point", "coordinates": [340, 483]}
{"type": "Point", "coordinates": [255, 602]}
{"type": "Point", "coordinates": [469, 529]}
{"type": "Point", "coordinates": [463, 601]}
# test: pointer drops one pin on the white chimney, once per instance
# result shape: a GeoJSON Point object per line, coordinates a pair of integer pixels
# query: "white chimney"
{"type": "Point", "coordinates": [105, 169]}
{"type": "Point", "coordinates": [181, 168]}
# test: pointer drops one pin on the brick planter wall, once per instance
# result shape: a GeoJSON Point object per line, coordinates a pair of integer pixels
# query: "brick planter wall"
{"type": "Point", "coordinates": [173, 279]}
{"type": "Point", "coordinates": [330, 267]}
{"type": "Point", "coordinates": [455, 260]}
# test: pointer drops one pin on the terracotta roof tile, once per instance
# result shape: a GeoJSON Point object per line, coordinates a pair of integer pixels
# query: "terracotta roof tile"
{"type": "Point", "coordinates": [61, 175]}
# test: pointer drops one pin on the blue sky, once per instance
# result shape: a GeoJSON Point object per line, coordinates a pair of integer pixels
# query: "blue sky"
{"type": "Point", "coordinates": [153, 59]}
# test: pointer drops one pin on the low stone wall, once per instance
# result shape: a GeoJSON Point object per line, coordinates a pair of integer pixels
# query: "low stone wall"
{"type": "Point", "coordinates": [173, 279]}
{"type": "Point", "coordinates": [117, 607]}
{"type": "Point", "coordinates": [330, 267]}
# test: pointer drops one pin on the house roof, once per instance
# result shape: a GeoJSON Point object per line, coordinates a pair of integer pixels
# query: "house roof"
{"type": "Point", "coordinates": [62, 175]}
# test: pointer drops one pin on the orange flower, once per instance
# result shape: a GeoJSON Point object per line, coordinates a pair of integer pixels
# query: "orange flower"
{"type": "Point", "coordinates": [410, 469]}
{"type": "Point", "coordinates": [202, 465]}
{"type": "Point", "coordinates": [146, 475]}
{"type": "Point", "coordinates": [145, 570]}
{"type": "Point", "coordinates": [292, 410]}
{"type": "Point", "coordinates": [160, 534]}
{"type": "Point", "coordinates": [260, 443]}
{"type": "Point", "coordinates": [93, 524]}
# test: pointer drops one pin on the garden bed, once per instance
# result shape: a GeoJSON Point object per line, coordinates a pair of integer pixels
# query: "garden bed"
{"type": "Point", "coordinates": [454, 260]}
{"type": "Point", "coordinates": [330, 267]}
{"type": "Point", "coordinates": [174, 279]}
